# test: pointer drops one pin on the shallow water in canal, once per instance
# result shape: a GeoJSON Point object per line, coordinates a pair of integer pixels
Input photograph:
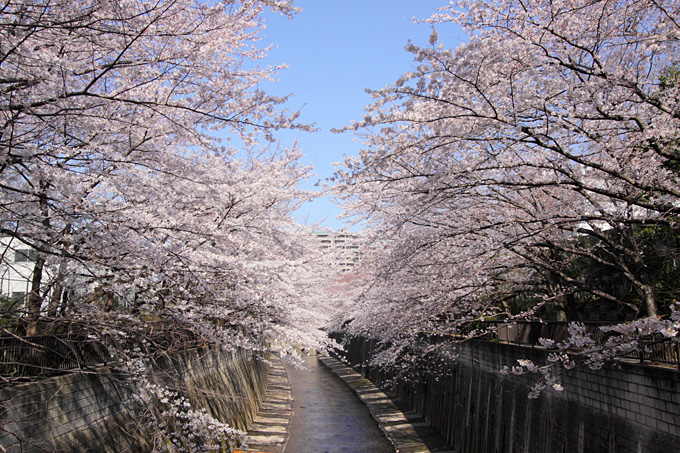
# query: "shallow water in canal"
{"type": "Point", "coordinates": [328, 416]}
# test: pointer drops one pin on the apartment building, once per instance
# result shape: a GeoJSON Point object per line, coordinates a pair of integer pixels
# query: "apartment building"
{"type": "Point", "coordinates": [342, 248]}
{"type": "Point", "coordinates": [16, 268]}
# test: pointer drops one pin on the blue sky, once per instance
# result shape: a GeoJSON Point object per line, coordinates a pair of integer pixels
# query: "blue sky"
{"type": "Point", "coordinates": [337, 49]}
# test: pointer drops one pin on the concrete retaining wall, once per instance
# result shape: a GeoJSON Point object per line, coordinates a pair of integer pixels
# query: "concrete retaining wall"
{"type": "Point", "coordinates": [620, 408]}
{"type": "Point", "coordinates": [95, 412]}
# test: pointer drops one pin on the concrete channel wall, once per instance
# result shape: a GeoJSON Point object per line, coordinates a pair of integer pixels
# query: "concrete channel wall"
{"type": "Point", "coordinates": [94, 412]}
{"type": "Point", "coordinates": [620, 408]}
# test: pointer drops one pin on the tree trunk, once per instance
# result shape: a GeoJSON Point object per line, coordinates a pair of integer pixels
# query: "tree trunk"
{"type": "Point", "coordinates": [648, 300]}
{"type": "Point", "coordinates": [56, 299]}
{"type": "Point", "coordinates": [572, 312]}
{"type": "Point", "coordinates": [34, 298]}
{"type": "Point", "coordinates": [561, 312]}
{"type": "Point", "coordinates": [65, 302]}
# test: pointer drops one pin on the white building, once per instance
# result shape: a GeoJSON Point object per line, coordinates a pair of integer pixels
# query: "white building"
{"type": "Point", "coordinates": [17, 264]}
{"type": "Point", "coordinates": [342, 248]}
{"type": "Point", "coordinates": [16, 268]}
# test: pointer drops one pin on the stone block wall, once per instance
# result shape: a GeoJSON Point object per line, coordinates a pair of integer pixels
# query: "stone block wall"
{"type": "Point", "coordinates": [620, 408]}
{"type": "Point", "coordinates": [95, 412]}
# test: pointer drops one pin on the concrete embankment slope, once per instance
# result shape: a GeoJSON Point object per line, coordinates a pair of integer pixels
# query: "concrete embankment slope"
{"type": "Point", "coordinates": [621, 408]}
{"type": "Point", "coordinates": [95, 411]}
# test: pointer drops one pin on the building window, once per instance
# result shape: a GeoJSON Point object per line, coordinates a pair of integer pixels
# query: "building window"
{"type": "Point", "coordinates": [24, 255]}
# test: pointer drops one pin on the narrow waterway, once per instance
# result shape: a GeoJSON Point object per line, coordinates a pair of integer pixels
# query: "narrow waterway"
{"type": "Point", "coordinates": [328, 417]}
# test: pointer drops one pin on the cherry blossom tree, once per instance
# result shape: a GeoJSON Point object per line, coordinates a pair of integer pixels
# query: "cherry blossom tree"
{"type": "Point", "coordinates": [494, 172]}
{"type": "Point", "coordinates": [113, 172]}
{"type": "Point", "coordinates": [110, 165]}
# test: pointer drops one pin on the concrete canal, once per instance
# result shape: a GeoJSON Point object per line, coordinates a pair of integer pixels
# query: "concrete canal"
{"type": "Point", "coordinates": [328, 416]}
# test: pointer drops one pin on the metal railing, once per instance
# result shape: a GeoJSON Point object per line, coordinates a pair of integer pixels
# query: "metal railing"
{"type": "Point", "coordinates": [653, 348]}
{"type": "Point", "coordinates": [28, 357]}
{"type": "Point", "coordinates": [48, 355]}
